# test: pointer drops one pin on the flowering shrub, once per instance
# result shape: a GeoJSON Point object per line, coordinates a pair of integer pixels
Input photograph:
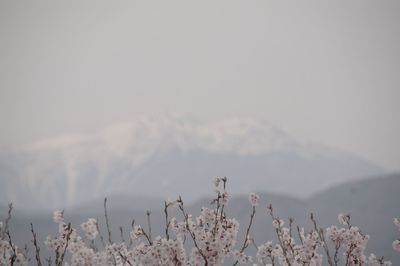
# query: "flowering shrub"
{"type": "Point", "coordinates": [209, 239]}
{"type": "Point", "coordinates": [10, 254]}
{"type": "Point", "coordinates": [396, 243]}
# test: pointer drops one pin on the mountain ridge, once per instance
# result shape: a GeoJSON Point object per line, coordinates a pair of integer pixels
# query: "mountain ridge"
{"type": "Point", "coordinates": [167, 155]}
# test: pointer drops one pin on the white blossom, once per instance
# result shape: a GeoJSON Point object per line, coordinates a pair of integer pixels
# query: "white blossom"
{"type": "Point", "coordinates": [396, 221]}
{"type": "Point", "coordinates": [278, 223]}
{"type": "Point", "coordinates": [216, 182]}
{"type": "Point", "coordinates": [344, 219]}
{"type": "Point", "coordinates": [254, 199]}
{"type": "Point", "coordinates": [241, 257]}
{"type": "Point", "coordinates": [396, 245]}
{"type": "Point", "coordinates": [58, 216]}
{"type": "Point", "coordinates": [90, 228]}
{"type": "Point", "coordinates": [374, 261]}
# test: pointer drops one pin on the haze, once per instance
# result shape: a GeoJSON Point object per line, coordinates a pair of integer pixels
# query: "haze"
{"type": "Point", "coordinates": [326, 72]}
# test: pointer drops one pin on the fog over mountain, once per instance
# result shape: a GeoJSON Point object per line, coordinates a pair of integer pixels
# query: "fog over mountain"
{"type": "Point", "coordinates": [327, 71]}
{"type": "Point", "coordinates": [170, 155]}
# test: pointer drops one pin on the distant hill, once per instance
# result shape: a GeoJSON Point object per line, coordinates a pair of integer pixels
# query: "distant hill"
{"type": "Point", "coordinates": [372, 203]}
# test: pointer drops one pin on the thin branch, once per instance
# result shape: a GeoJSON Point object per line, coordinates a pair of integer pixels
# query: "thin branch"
{"type": "Point", "coordinates": [167, 222]}
{"type": "Point", "coordinates": [130, 238]}
{"type": "Point", "coordinates": [290, 226]}
{"type": "Point", "coordinates": [322, 238]}
{"type": "Point", "coordinates": [49, 261]}
{"type": "Point", "coordinates": [142, 232]}
{"type": "Point", "coordinates": [148, 213]}
{"type": "Point", "coordinates": [336, 256]}
{"type": "Point", "coordinates": [214, 230]}
{"type": "Point", "coordinates": [191, 233]}
{"type": "Point", "coordinates": [125, 259]}
{"type": "Point", "coordinates": [352, 246]}
{"type": "Point", "coordinates": [37, 248]}
{"type": "Point", "coordinates": [107, 221]}
{"type": "Point", "coordinates": [67, 237]}
{"type": "Point", "coordinates": [100, 234]}
{"type": "Point", "coordinates": [26, 251]}
{"type": "Point", "coordinates": [121, 233]}
{"type": "Point", "coordinates": [246, 238]}
{"type": "Point", "coordinates": [14, 255]}
{"type": "Point", "coordinates": [300, 237]}
{"type": "Point", "coordinates": [279, 233]}
{"type": "Point", "coordinates": [7, 222]}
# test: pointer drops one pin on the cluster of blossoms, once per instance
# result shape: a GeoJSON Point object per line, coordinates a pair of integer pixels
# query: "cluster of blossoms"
{"type": "Point", "coordinates": [241, 257]}
{"type": "Point", "coordinates": [158, 252]}
{"type": "Point", "coordinates": [212, 236]}
{"type": "Point", "coordinates": [212, 233]}
{"type": "Point", "coordinates": [374, 261]}
{"type": "Point", "coordinates": [351, 239]}
{"type": "Point", "coordinates": [65, 233]}
{"type": "Point", "coordinates": [254, 199]}
{"type": "Point", "coordinates": [90, 228]}
{"type": "Point", "coordinates": [209, 239]}
{"type": "Point", "coordinates": [9, 252]}
{"type": "Point", "coordinates": [396, 243]}
{"type": "Point", "coordinates": [286, 251]}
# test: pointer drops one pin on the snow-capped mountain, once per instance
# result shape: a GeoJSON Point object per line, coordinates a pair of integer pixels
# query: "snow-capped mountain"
{"type": "Point", "coordinates": [168, 155]}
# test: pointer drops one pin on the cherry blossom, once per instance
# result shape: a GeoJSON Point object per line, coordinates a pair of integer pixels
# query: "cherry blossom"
{"type": "Point", "coordinates": [207, 239]}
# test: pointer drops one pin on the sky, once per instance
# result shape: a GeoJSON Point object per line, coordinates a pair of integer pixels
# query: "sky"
{"type": "Point", "coordinates": [324, 71]}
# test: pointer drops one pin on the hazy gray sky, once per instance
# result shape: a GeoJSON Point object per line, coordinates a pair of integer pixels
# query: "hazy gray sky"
{"type": "Point", "coordinates": [325, 71]}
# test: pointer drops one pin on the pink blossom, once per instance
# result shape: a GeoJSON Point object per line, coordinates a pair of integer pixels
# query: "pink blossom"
{"type": "Point", "coordinates": [254, 199]}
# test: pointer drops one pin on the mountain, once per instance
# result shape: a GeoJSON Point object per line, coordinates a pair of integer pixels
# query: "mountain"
{"type": "Point", "coordinates": [167, 155]}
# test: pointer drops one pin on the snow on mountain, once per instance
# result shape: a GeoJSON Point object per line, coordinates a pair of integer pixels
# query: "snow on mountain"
{"type": "Point", "coordinates": [167, 155]}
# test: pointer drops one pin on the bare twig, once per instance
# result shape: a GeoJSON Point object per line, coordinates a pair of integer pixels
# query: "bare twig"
{"type": "Point", "coordinates": [7, 222]}
{"type": "Point", "coordinates": [100, 234]}
{"type": "Point", "coordinates": [290, 226]}
{"type": "Point", "coordinates": [125, 259]}
{"type": "Point", "coordinates": [107, 221]}
{"type": "Point", "coordinates": [167, 222]}
{"type": "Point", "coordinates": [300, 237]}
{"type": "Point", "coordinates": [37, 248]}
{"type": "Point", "coordinates": [26, 251]}
{"type": "Point", "coordinates": [130, 238]}
{"type": "Point", "coordinates": [142, 232]}
{"type": "Point", "coordinates": [49, 261]}
{"type": "Point", "coordinates": [148, 213]}
{"type": "Point", "coordinates": [14, 254]}
{"type": "Point", "coordinates": [121, 232]}
{"type": "Point", "coordinates": [246, 238]}
{"type": "Point", "coordinates": [336, 256]}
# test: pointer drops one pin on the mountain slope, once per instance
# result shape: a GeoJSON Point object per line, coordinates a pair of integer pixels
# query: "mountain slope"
{"type": "Point", "coordinates": [170, 155]}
